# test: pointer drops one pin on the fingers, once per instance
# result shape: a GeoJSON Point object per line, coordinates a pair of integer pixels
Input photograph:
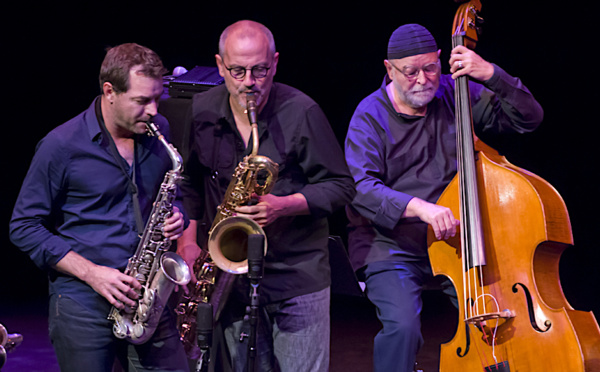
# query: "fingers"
{"type": "Point", "coordinates": [464, 61]}
{"type": "Point", "coordinates": [445, 227]}
{"type": "Point", "coordinates": [258, 213]}
{"type": "Point", "coordinates": [174, 225]}
{"type": "Point", "coordinates": [121, 300]}
{"type": "Point", "coordinates": [125, 291]}
{"type": "Point", "coordinates": [450, 224]}
{"type": "Point", "coordinates": [248, 209]}
{"type": "Point", "coordinates": [191, 252]}
{"type": "Point", "coordinates": [440, 218]}
{"type": "Point", "coordinates": [119, 289]}
{"type": "Point", "coordinates": [459, 62]}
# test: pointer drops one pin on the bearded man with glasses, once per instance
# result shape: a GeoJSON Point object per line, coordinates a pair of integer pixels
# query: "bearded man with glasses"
{"type": "Point", "coordinates": [401, 151]}
{"type": "Point", "coordinates": [293, 328]}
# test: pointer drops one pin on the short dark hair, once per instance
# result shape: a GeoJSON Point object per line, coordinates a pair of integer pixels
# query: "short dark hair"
{"type": "Point", "coordinates": [121, 59]}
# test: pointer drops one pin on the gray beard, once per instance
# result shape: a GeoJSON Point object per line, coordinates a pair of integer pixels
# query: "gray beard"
{"type": "Point", "coordinates": [415, 99]}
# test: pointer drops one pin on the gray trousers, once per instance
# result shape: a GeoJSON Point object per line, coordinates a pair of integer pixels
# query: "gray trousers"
{"type": "Point", "coordinates": [293, 335]}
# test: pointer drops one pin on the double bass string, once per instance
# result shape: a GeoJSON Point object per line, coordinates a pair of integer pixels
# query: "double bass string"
{"type": "Point", "coordinates": [523, 251]}
{"type": "Point", "coordinates": [462, 135]}
{"type": "Point", "coordinates": [472, 242]}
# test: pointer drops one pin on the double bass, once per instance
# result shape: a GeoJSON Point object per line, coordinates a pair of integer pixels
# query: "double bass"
{"type": "Point", "coordinates": [504, 264]}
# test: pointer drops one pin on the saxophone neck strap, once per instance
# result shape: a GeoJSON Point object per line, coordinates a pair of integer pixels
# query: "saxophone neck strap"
{"type": "Point", "coordinates": [121, 163]}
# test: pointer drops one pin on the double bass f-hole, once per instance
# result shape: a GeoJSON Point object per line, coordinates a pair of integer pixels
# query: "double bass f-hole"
{"type": "Point", "coordinates": [530, 307]}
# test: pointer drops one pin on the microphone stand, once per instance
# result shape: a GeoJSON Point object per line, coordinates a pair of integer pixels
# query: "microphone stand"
{"type": "Point", "coordinates": [255, 274]}
{"type": "Point", "coordinates": [204, 328]}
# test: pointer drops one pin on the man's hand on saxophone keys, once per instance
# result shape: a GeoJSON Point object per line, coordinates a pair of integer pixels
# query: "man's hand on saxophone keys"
{"type": "Point", "coordinates": [189, 250]}
{"type": "Point", "coordinates": [270, 207]}
{"type": "Point", "coordinates": [119, 289]}
{"type": "Point", "coordinates": [173, 228]}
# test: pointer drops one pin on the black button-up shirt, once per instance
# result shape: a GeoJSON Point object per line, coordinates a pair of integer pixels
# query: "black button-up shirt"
{"type": "Point", "coordinates": [295, 134]}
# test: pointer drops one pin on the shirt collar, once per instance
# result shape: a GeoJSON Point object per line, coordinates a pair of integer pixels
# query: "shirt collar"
{"type": "Point", "coordinates": [262, 117]}
{"type": "Point", "coordinates": [94, 129]}
{"type": "Point", "coordinates": [91, 120]}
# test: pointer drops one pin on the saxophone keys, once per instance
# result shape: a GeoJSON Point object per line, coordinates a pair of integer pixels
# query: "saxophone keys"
{"type": "Point", "coordinates": [138, 330]}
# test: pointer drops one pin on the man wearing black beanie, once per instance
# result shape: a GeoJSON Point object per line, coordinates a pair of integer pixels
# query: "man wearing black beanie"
{"type": "Point", "coordinates": [401, 151]}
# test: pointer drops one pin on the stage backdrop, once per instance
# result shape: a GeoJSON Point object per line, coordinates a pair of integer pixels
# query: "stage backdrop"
{"type": "Point", "coordinates": [334, 53]}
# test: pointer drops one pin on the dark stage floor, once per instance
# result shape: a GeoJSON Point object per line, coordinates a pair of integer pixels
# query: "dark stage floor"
{"type": "Point", "coordinates": [354, 324]}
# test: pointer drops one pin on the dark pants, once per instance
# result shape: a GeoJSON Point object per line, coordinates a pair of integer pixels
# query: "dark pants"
{"type": "Point", "coordinates": [82, 338]}
{"type": "Point", "coordinates": [395, 289]}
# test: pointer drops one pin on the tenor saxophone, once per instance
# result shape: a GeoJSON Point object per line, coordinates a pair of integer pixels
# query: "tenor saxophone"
{"type": "Point", "coordinates": [227, 239]}
{"type": "Point", "coordinates": [152, 265]}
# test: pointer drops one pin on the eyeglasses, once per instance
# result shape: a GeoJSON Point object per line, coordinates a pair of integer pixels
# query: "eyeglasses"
{"type": "Point", "coordinates": [411, 72]}
{"type": "Point", "coordinates": [239, 72]}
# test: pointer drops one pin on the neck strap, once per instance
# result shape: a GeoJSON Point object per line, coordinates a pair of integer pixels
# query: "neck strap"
{"type": "Point", "coordinates": [121, 163]}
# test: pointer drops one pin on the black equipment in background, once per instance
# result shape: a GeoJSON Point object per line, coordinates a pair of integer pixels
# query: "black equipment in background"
{"type": "Point", "coordinates": [198, 79]}
{"type": "Point", "coordinates": [176, 101]}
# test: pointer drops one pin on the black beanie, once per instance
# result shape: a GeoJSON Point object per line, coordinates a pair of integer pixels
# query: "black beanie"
{"type": "Point", "coordinates": [409, 40]}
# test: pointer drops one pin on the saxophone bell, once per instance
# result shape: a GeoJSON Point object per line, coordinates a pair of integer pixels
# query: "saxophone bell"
{"type": "Point", "coordinates": [8, 342]}
{"type": "Point", "coordinates": [228, 243]}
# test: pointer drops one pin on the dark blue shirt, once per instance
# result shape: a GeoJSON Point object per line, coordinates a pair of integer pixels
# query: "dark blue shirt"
{"type": "Point", "coordinates": [76, 197]}
{"type": "Point", "coordinates": [394, 157]}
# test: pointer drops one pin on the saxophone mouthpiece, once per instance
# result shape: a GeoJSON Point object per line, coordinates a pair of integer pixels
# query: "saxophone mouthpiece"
{"type": "Point", "coordinates": [152, 129]}
{"type": "Point", "coordinates": [251, 107]}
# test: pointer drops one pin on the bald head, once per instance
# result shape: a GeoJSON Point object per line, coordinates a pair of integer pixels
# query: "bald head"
{"type": "Point", "coordinates": [247, 60]}
{"type": "Point", "coordinates": [246, 30]}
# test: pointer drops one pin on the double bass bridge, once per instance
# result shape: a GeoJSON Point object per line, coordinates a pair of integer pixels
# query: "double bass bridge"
{"type": "Point", "coordinates": [482, 318]}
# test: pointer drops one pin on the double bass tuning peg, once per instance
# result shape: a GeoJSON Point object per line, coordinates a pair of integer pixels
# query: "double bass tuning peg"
{"type": "Point", "coordinates": [475, 21]}
{"type": "Point", "coordinates": [479, 21]}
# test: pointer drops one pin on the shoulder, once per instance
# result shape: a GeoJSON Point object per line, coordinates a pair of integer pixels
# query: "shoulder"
{"type": "Point", "coordinates": [75, 130]}
{"type": "Point", "coordinates": [283, 96]}
{"type": "Point", "coordinates": [215, 94]}
{"type": "Point", "coordinates": [210, 105]}
{"type": "Point", "coordinates": [55, 151]}
{"type": "Point", "coordinates": [374, 110]}
{"type": "Point", "coordinates": [375, 101]}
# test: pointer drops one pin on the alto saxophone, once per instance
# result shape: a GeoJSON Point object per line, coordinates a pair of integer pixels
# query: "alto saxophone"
{"type": "Point", "coordinates": [227, 240]}
{"type": "Point", "coordinates": [152, 265]}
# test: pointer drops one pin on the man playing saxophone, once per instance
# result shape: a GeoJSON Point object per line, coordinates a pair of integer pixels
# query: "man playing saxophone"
{"type": "Point", "coordinates": [313, 181]}
{"type": "Point", "coordinates": [81, 208]}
